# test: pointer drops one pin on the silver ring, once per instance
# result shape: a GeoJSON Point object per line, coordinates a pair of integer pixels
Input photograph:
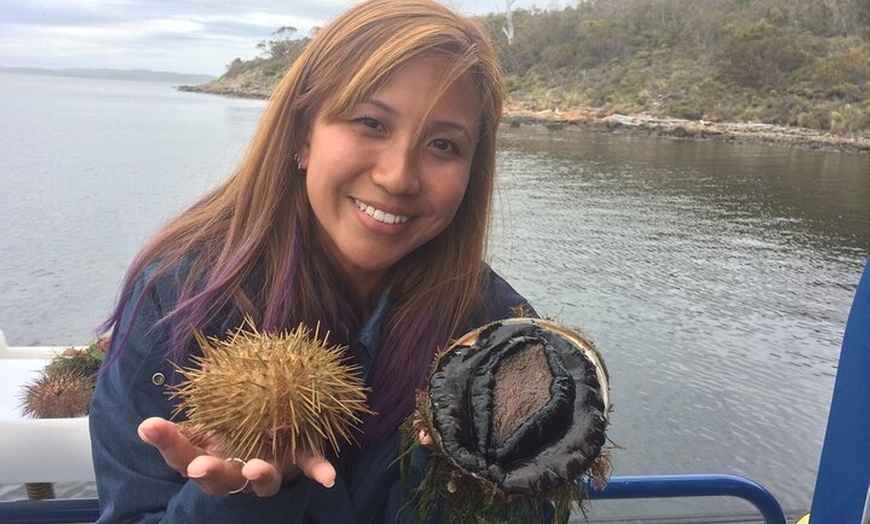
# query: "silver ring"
{"type": "Point", "coordinates": [247, 482]}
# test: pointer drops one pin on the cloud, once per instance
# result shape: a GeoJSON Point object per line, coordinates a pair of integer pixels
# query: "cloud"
{"type": "Point", "coordinates": [192, 36]}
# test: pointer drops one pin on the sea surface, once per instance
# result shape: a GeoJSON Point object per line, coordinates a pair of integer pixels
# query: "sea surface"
{"type": "Point", "coordinates": [715, 278]}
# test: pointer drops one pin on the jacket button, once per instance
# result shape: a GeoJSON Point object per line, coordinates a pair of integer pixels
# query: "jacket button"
{"type": "Point", "coordinates": [158, 379]}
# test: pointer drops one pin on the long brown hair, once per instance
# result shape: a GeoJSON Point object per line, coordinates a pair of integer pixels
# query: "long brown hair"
{"type": "Point", "coordinates": [252, 241]}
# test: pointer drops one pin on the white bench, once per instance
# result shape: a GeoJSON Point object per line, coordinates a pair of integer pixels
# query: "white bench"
{"type": "Point", "coordinates": [37, 450]}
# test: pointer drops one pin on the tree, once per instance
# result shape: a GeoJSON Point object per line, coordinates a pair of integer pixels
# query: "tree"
{"type": "Point", "coordinates": [281, 45]}
{"type": "Point", "coordinates": [509, 28]}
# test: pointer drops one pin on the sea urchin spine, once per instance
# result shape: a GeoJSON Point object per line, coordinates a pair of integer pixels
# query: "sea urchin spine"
{"type": "Point", "coordinates": [272, 395]}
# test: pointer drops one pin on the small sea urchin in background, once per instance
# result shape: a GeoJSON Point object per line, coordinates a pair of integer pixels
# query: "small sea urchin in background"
{"type": "Point", "coordinates": [66, 385]}
{"type": "Point", "coordinates": [59, 395]}
{"type": "Point", "coordinates": [517, 410]}
{"type": "Point", "coordinates": [271, 395]}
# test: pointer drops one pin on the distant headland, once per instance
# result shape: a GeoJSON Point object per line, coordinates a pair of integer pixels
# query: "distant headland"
{"type": "Point", "coordinates": [139, 75]}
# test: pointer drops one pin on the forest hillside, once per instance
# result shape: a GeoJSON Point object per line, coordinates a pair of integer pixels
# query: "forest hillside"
{"type": "Point", "coordinates": [792, 63]}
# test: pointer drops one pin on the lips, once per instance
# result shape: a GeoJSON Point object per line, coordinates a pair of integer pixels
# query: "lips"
{"type": "Point", "coordinates": [381, 215]}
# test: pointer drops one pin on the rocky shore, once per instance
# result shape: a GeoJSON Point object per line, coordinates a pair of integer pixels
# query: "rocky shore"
{"type": "Point", "coordinates": [219, 87]}
{"type": "Point", "coordinates": [600, 121]}
{"type": "Point", "coordinates": [737, 132]}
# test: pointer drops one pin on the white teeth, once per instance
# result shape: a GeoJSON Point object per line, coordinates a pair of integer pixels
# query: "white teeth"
{"type": "Point", "coordinates": [381, 216]}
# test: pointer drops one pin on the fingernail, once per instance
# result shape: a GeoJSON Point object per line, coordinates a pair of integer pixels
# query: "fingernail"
{"type": "Point", "coordinates": [195, 470]}
{"type": "Point", "coordinates": [148, 439]}
{"type": "Point", "coordinates": [329, 485]}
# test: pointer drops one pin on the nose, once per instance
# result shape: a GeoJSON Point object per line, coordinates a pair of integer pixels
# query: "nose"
{"type": "Point", "coordinates": [397, 170]}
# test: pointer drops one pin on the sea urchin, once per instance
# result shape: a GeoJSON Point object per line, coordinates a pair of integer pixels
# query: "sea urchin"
{"type": "Point", "coordinates": [271, 395]}
{"type": "Point", "coordinates": [62, 395]}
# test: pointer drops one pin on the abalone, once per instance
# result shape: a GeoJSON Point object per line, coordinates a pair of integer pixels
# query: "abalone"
{"type": "Point", "coordinates": [518, 410]}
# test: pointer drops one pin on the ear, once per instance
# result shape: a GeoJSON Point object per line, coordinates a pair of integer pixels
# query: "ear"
{"type": "Point", "coordinates": [301, 161]}
{"type": "Point", "coordinates": [303, 149]}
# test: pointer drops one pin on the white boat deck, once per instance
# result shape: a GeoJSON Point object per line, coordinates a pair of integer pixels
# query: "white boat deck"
{"type": "Point", "coordinates": [37, 450]}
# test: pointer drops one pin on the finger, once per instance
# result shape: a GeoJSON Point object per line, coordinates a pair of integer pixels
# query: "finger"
{"type": "Point", "coordinates": [216, 475]}
{"type": "Point", "coordinates": [265, 477]}
{"type": "Point", "coordinates": [205, 443]}
{"type": "Point", "coordinates": [317, 469]}
{"type": "Point", "coordinates": [176, 449]}
{"type": "Point", "coordinates": [425, 439]}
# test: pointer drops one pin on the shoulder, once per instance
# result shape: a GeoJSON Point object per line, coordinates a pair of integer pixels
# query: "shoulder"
{"type": "Point", "coordinates": [161, 283]}
{"type": "Point", "coordinates": [501, 299]}
{"type": "Point", "coordinates": [148, 296]}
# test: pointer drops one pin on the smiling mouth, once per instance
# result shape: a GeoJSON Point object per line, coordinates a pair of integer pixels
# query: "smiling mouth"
{"type": "Point", "coordinates": [379, 215]}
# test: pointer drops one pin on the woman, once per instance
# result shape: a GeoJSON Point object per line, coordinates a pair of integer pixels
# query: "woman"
{"type": "Point", "coordinates": [363, 205]}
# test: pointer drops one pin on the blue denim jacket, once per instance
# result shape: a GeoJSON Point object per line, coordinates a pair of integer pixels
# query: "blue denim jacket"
{"type": "Point", "coordinates": [134, 484]}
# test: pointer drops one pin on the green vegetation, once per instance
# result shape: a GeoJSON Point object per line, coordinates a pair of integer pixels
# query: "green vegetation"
{"type": "Point", "coordinates": [257, 77]}
{"type": "Point", "coordinates": [803, 63]}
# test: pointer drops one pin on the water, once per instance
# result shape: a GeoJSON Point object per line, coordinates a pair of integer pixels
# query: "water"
{"type": "Point", "coordinates": [715, 278]}
{"type": "Point", "coordinates": [88, 170]}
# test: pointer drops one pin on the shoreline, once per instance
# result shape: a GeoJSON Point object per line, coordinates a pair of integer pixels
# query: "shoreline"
{"type": "Point", "coordinates": [646, 125]}
{"type": "Point", "coordinates": [597, 120]}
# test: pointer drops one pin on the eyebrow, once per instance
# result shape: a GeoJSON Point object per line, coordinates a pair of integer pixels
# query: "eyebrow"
{"type": "Point", "coordinates": [438, 124]}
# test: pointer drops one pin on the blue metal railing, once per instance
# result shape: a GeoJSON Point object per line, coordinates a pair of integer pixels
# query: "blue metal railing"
{"type": "Point", "coordinates": [57, 511]}
{"type": "Point", "coordinates": [671, 486]}
{"type": "Point", "coordinates": [637, 487]}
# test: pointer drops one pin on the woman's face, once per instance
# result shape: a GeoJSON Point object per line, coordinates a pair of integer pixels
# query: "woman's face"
{"type": "Point", "coordinates": [377, 190]}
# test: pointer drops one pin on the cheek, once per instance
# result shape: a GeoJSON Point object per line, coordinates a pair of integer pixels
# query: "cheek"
{"type": "Point", "coordinates": [327, 177]}
{"type": "Point", "coordinates": [330, 154]}
{"type": "Point", "coordinates": [451, 196]}
{"type": "Point", "coordinates": [321, 198]}
{"type": "Point", "coordinates": [313, 190]}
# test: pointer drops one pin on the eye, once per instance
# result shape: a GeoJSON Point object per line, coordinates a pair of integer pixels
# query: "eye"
{"type": "Point", "coordinates": [369, 122]}
{"type": "Point", "coordinates": [446, 145]}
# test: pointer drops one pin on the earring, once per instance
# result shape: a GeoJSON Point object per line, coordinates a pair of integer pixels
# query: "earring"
{"type": "Point", "coordinates": [299, 165]}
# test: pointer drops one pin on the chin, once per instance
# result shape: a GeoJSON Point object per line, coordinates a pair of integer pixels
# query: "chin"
{"type": "Point", "coordinates": [374, 262]}
{"type": "Point", "coordinates": [368, 265]}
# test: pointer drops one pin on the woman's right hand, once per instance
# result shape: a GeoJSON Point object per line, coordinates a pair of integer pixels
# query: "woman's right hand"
{"type": "Point", "coordinates": [217, 475]}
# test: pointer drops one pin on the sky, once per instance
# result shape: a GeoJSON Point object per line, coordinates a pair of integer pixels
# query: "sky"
{"type": "Point", "coordinates": [184, 36]}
